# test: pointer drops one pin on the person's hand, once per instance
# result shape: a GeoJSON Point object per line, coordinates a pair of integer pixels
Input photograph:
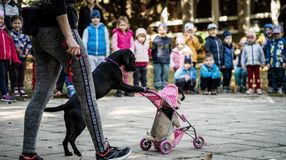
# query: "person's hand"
{"type": "Point", "coordinates": [72, 47]}
{"type": "Point", "coordinates": [284, 65]}
{"type": "Point", "coordinates": [223, 66]}
{"type": "Point", "coordinates": [187, 77]}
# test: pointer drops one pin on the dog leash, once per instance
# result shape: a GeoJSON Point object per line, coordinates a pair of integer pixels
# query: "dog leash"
{"type": "Point", "coordinates": [111, 60]}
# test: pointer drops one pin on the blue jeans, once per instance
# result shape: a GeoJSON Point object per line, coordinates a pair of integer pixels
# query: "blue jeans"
{"type": "Point", "coordinates": [240, 76]}
{"type": "Point", "coordinates": [161, 74]}
{"type": "Point", "coordinates": [140, 75]}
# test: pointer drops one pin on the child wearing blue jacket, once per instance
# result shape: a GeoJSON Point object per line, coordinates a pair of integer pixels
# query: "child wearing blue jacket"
{"type": "Point", "coordinates": [226, 70]}
{"type": "Point", "coordinates": [210, 76]}
{"type": "Point", "coordinates": [276, 59]}
{"type": "Point", "coordinates": [185, 77]}
{"type": "Point", "coordinates": [96, 40]}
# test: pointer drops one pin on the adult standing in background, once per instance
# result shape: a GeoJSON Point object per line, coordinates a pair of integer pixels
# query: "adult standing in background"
{"type": "Point", "coordinates": [84, 15]}
{"type": "Point", "coordinates": [10, 8]}
{"type": "Point", "coordinates": [282, 18]}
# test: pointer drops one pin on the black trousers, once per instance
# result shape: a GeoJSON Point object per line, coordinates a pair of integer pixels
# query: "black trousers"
{"type": "Point", "coordinates": [18, 75]}
{"type": "Point", "coordinates": [227, 73]}
{"type": "Point", "coordinates": [278, 76]}
{"type": "Point", "coordinates": [209, 83]}
{"type": "Point", "coordinates": [186, 85]}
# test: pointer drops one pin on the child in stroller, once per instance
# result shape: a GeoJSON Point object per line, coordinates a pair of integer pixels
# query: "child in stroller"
{"type": "Point", "coordinates": [166, 131]}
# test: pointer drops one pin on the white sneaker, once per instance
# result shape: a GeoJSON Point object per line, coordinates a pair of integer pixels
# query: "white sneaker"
{"type": "Point", "coordinates": [259, 91]}
{"type": "Point", "coordinates": [249, 91]}
{"type": "Point", "coordinates": [280, 91]}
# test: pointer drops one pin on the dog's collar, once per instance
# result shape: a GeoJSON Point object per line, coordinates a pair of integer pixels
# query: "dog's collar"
{"type": "Point", "coordinates": [111, 60]}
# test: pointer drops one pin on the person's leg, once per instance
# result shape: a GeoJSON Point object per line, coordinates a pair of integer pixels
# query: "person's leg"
{"type": "Point", "coordinates": [205, 85]}
{"type": "Point", "coordinates": [250, 76]}
{"type": "Point", "coordinates": [257, 76]}
{"type": "Point", "coordinates": [144, 76]}
{"type": "Point", "coordinates": [3, 75]}
{"type": "Point", "coordinates": [136, 76]}
{"type": "Point", "coordinates": [92, 61]}
{"type": "Point", "coordinates": [215, 83]}
{"type": "Point", "coordinates": [22, 71]}
{"type": "Point", "coordinates": [281, 79]}
{"type": "Point", "coordinates": [15, 76]}
{"type": "Point", "coordinates": [157, 76]}
{"type": "Point", "coordinates": [60, 82]}
{"type": "Point", "coordinates": [165, 74]}
{"type": "Point", "coordinates": [238, 76]}
{"type": "Point", "coordinates": [224, 75]}
{"type": "Point", "coordinates": [229, 75]}
{"type": "Point", "coordinates": [47, 72]}
{"type": "Point", "coordinates": [274, 76]}
{"type": "Point", "coordinates": [180, 83]}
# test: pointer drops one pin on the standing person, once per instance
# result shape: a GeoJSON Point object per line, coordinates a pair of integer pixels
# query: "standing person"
{"type": "Point", "coordinates": [64, 79]}
{"type": "Point", "coordinates": [179, 53]}
{"type": "Point", "coordinates": [141, 53]}
{"type": "Point", "coordinates": [226, 70]}
{"type": "Point", "coordinates": [210, 76]}
{"type": "Point", "coordinates": [96, 40]}
{"type": "Point", "coordinates": [214, 45]}
{"type": "Point", "coordinates": [268, 34]}
{"type": "Point", "coordinates": [23, 47]}
{"type": "Point", "coordinates": [7, 55]}
{"type": "Point", "coordinates": [122, 38]}
{"type": "Point", "coordinates": [84, 15]}
{"type": "Point", "coordinates": [185, 76]}
{"type": "Point", "coordinates": [192, 42]}
{"type": "Point", "coordinates": [252, 59]}
{"type": "Point", "coordinates": [50, 56]}
{"type": "Point", "coordinates": [282, 19]}
{"type": "Point", "coordinates": [240, 72]}
{"type": "Point", "coordinates": [161, 50]}
{"type": "Point", "coordinates": [276, 59]}
{"type": "Point", "coordinates": [10, 9]}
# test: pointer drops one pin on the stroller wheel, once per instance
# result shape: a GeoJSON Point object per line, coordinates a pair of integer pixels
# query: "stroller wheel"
{"type": "Point", "coordinates": [165, 147]}
{"type": "Point", "coordinates": [198, 142]}
{"type": "Point", "coordinates": [145, 144]}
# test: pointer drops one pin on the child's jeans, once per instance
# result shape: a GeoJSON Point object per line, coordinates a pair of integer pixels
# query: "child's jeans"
{"type": "Point", "coordinates": [226, 72]}
{"type": "Point", "coordinates": [161, 74]}
{"type": "Point", "coordinates": [186, 85]}
{"type": "Point", "coordinates": [278, 75]}
{"type": "Point", "coordinates": [3, 76]}
{"type": "Point", "coordinates": [253, 70]}
{"type": "Point", "coordinates": [140, 75]}
{"type": "Point", "coordinates": [18, 75]}
{"type": "Point", "coordinates": [209, 83]}
{"type": "Point", "coordinates": [240, 76]}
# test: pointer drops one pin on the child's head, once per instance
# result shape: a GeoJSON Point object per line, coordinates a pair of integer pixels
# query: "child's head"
{"type": "Point", "coordinates": [227, 37]}
{"type": "Point", "coordinates": [189, 29]}
{"type": "Point", "coordinates": [2, 18]}
{"type": "Point", "coordinates": [95, 17]}
{"type": "Point", "coordinates": [277, 30]}
{"type": "Point", "coordinates": [16, 23]}
{"type": "Point", "coordinates": [212, 29]}
{"type": "Point", "coordinates": [188, 62]}
{"type": "Point", "coordinates": [89, 1]}
{"type": "Point", "coordinates": [251, 37]}
{"type": "Point", "coordinates": [209, 59]}
{"type": "Point", "coordinates": [162, 29]}
{"type": "Point", "coordinates": [123, 23]}
{"type": "Point", "coordinates": [180, 42]}
{"type": "Point", "coordinates": [141, 35]}
{"type": "Point", "coordinates": [268, 29]}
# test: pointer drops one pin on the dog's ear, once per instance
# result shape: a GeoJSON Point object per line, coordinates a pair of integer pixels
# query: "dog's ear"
{"type": "Point", "coordinates": [128, 56]}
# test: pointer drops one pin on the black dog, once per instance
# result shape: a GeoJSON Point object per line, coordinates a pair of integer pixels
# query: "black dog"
{"type": "Point", "coordinates": [106, 76]}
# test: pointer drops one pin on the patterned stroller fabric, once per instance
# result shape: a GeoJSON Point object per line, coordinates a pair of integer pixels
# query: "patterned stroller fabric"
{"type": "Point", "coordinates": [169, 94]}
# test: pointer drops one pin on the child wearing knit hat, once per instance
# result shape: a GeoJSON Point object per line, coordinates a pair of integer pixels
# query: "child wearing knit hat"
{"type": "Point", "coordinates": [96, 40]}
{"type": "Point", "coordinates": [141, 52]}
{"type": "Point", "coordinates": [228, 52]}
{"type": "Point", "coordinates": [179, 53]}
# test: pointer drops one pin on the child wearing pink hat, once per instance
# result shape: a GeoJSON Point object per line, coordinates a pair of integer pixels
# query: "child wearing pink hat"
{"type": "Point", "coordinates": [179, 53]}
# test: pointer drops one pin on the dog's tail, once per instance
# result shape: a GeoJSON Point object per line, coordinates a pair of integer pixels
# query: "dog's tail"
{"type": "Point", "coordinates": [56, 109]}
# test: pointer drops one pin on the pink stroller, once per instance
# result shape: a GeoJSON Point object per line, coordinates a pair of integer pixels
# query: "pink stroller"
{"type": "Point", "coordinates": [166, 131]}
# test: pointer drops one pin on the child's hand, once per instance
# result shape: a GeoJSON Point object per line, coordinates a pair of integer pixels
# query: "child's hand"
{"type": "Point", "coordinates": [223, 66]}
{"type": "Point", "coordinates": [187, 77]}
{"type": "Point", "coordinates": [284, 65]}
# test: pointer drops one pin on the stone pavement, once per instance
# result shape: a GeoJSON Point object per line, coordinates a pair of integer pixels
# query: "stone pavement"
{"type": "Point", "coordinates": [236, 127]}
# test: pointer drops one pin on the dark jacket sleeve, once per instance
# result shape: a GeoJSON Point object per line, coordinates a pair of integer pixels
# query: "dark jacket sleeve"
{"type": "Point", "coordinates": [59, 6]}
{"type": "Point", "coordinates": [208, 46]}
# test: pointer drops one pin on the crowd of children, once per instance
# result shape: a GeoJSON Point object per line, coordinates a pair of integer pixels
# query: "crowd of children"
{"type": "Point", "coordinates": [221, 57]}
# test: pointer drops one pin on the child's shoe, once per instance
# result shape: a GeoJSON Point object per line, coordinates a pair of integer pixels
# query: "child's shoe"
{"type": "Point", "coordinates": [249, 91]}
{"type": "Point", "coordinates": [118, 94]}
{"type": "Point", "coordinates": [16, 93]}
{"type": "Point", "coordinates": [71, 90]}
{"type": "Point", "coordinates": [270, 90]}
{"type": "Point", "coordinates": [114, 153]}
{"type": "Point", "coordinates": [280, 91]}
{"type": "Point", "coordinates": [22, 93]}
{"type": "Point", "coordinates": [7, 98]}
{"type": "Point", "coordinates": [214, 92]}
{"type": "Point", "coordinates": [205, 92]}
{"type": "Point", "coordinates": [34, 157]}
{"type": "Point", "coordinates": [243, 89]}
{"type": "Point", "coordinates": [259, 91]}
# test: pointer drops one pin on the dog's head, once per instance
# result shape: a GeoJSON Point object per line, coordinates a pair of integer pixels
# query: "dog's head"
{"type": "Point", "coordinates": [126, 58]}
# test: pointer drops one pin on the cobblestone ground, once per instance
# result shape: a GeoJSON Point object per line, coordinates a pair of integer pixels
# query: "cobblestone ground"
{"type": "Point", "coordinates": [236, 127]}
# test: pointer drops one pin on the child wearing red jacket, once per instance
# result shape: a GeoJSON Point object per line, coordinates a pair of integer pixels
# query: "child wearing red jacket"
{"type": "Point", "coordinates": [7, 54]}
